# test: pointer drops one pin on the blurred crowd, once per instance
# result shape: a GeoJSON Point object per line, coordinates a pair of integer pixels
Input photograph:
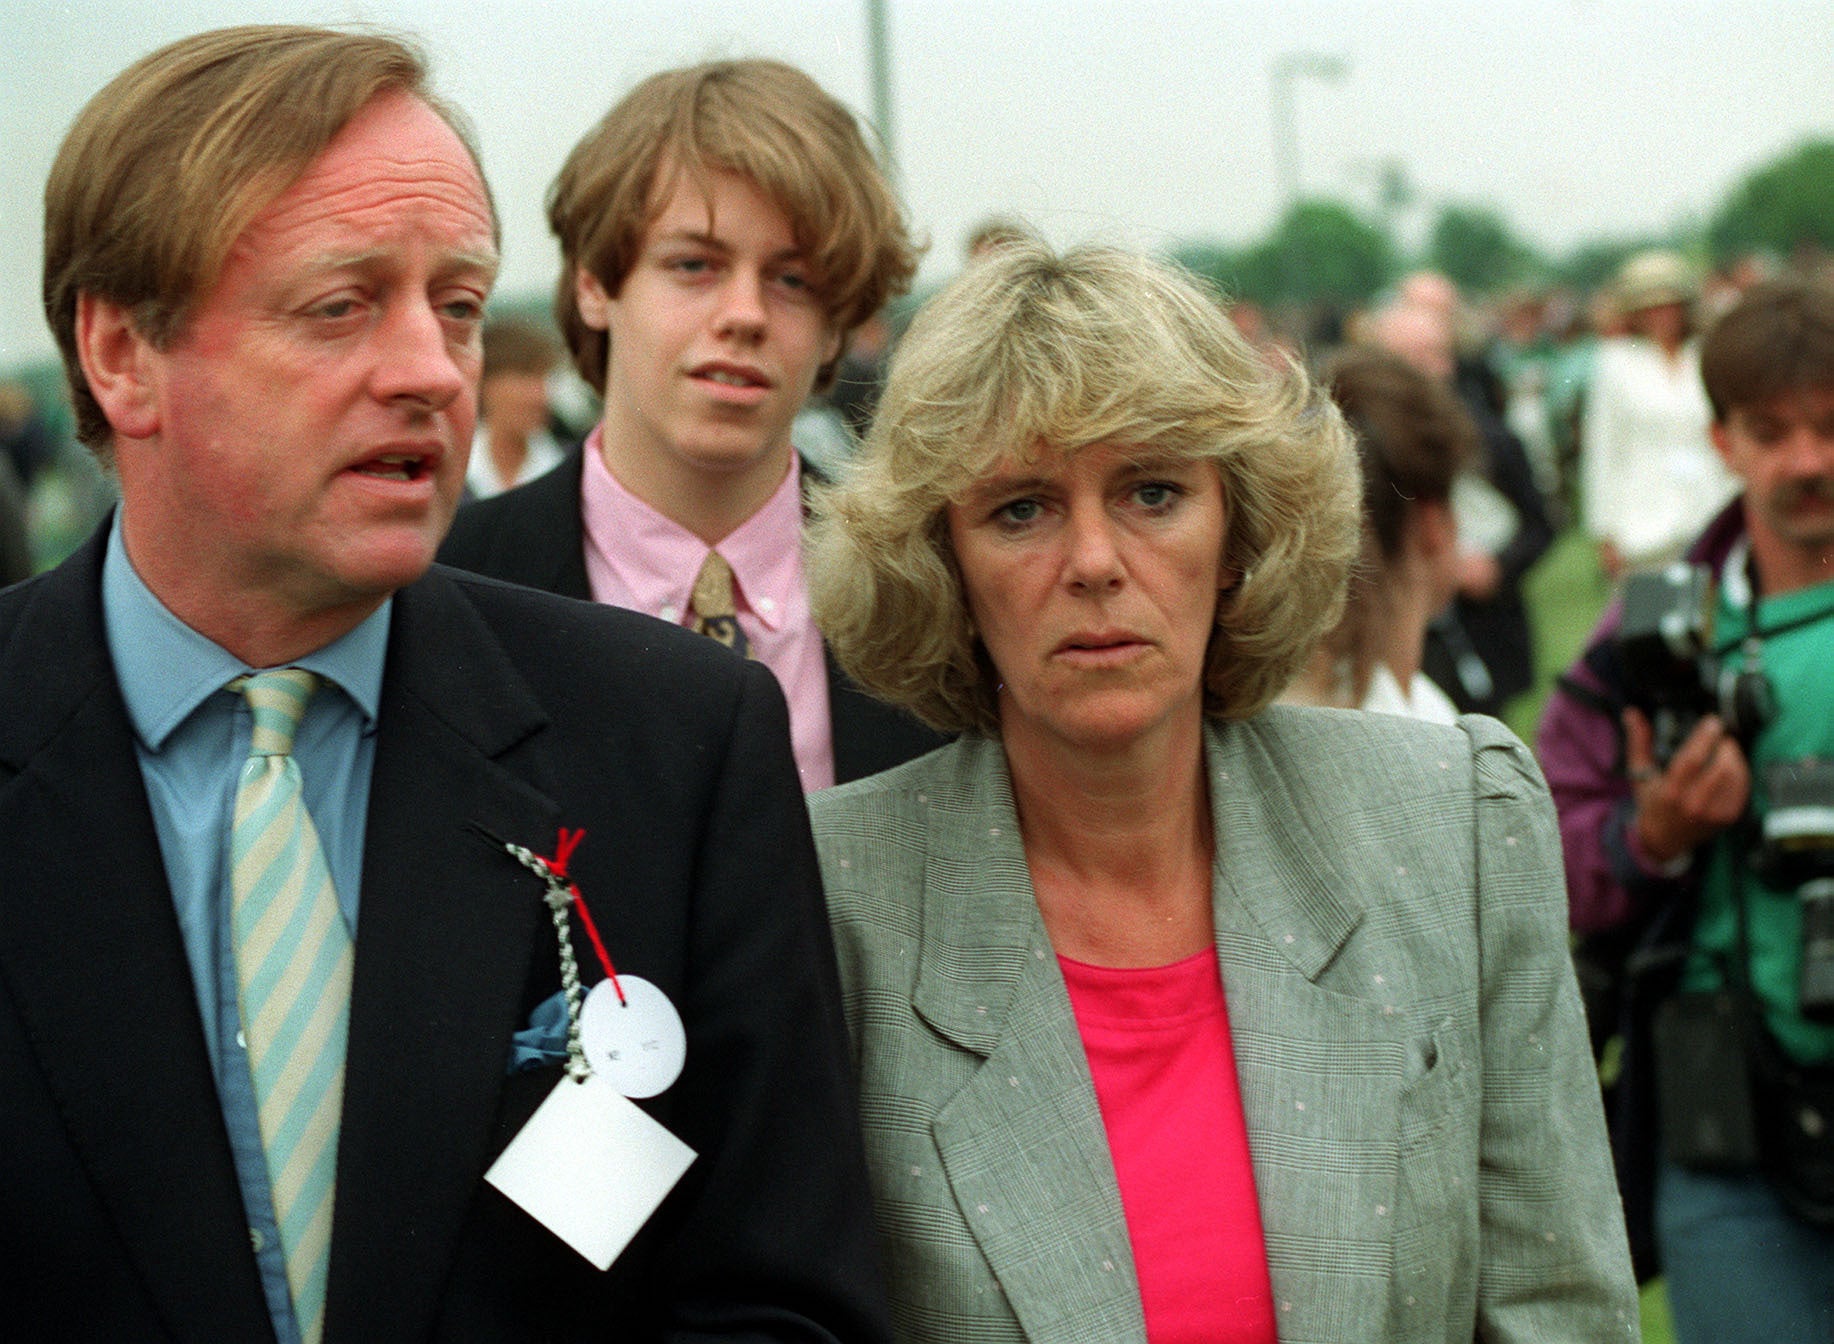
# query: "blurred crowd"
{"type": "Point", "coordinates": [1078, 468]}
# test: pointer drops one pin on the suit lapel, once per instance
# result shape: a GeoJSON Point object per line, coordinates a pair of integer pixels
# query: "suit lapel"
{"type": "Point", "coordinates": [869, 735]}
{"type": "Point", "coordinates": [1022, 1144]}
{"type": "Point", "coordinates": [444, 941]}
{"type": "Point", "coordinates": [91, 953]}
{"type": "Point", "coordinates": [1319, 1061]}
{"type": "Point", "coordinates": [539, 536]}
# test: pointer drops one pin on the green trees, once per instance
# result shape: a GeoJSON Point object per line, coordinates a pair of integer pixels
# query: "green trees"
{"type": "Point", "coordinates": [1324, 253]}
{"type": "Point", "coordinates": [1477, 249]}
{"type": "Point", "coordinates": [1783, 207]}
{"type": "Point", "coordinates": [1320, 252]}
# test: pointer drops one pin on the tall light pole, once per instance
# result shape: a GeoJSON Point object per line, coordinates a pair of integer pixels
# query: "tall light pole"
{"type": "Point", "coordinates": [879, 48]}
{"type": "Point", "coordinates": [1286, 70]}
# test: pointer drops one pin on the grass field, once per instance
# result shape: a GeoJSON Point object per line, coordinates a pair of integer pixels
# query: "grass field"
{"type": "Point", "coordinates": [1566, 594]}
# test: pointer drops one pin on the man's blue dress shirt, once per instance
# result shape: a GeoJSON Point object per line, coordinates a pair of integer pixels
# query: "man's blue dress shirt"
{"type": "Point", "coordinates": [191, 737]}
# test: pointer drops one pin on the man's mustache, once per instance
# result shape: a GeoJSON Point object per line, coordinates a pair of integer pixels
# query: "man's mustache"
{"type": "Point", "coordinates": [1809, 490]}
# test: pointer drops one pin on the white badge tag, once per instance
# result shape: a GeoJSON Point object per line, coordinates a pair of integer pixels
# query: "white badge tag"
{"type": "Point", "coordinates": [637, 1045]}
{"type": "Point", "coordinates": [591, 1167]}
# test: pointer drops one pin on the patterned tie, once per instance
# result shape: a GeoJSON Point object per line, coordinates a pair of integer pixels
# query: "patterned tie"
{"type": "Point", "coordinates": [712, 608]}
{"type": "Point", "coordinates": [293, 960]}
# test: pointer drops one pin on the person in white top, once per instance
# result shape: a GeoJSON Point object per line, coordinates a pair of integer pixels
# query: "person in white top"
{"type": "Point", "coordinates": [512, 443]}
{"type": "Point", "coordinates": [1649, 477]}
{"type": "Point", "coordinates": [1413, 437]}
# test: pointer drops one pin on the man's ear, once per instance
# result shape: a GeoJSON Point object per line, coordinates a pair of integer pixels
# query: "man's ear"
{"type": "Point", "coordinates": [1722, 444]}
{"type": "Point", "coordinates": [120, 366]}
{"type": "Point", "coordinates": [590, 298]}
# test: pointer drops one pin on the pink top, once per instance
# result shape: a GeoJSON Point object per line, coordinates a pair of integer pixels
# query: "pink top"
{"type": "Point", "coordinates": [641, 560]}
{"type": "Point", "coordinates": [1158, 1046]}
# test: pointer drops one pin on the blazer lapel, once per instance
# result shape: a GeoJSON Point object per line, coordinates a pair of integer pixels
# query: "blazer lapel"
{"type": "Point", "coordinates": [445, 934]}
{"type": "Point", "coordinates": [1022, 1143]}
{"type": "Point", "coordinates": [536, 536]}
{"type": "Point", "coordinates": [1320, 1064]}
{"type": "Point", "coordinates": [91, 954]}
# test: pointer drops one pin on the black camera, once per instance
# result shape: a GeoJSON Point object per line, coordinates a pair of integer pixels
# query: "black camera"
{"type": "Point", "coordinates": [1672, 668]}
{"type": "Point", "coordinates": [1797, 851]}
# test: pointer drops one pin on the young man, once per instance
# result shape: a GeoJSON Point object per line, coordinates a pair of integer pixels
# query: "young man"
{"type": "Point", "coordinates": [1672, 850]}
{"type": "Point", "coordinates": [265, 953]}
{"type": "Point", "coordinates": [722, 230]}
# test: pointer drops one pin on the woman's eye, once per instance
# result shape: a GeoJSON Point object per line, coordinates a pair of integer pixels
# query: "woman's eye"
{"type": "Point", "coordinates": [1018, 512]}
{"type": "Point", "coordinates": [1157, 494]}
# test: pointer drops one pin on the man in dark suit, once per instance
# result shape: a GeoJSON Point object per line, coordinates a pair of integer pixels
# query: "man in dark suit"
{"type": "Point", "coordinates": [723, 231]}
{"type": "Point", "coordinates": [243, 1100]}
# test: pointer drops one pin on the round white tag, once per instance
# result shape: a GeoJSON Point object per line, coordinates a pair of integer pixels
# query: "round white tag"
{"type": "Point", "coordinates": [637, 1046]}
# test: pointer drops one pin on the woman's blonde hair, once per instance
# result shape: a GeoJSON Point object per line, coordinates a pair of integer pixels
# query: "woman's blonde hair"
{"type": "Point", "coordinates": [1032, 352]}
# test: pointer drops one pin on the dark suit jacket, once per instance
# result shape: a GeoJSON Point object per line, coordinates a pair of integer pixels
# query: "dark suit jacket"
{"type": "Point", "coordinates": [120, 1216]}
{"type": "Point", "coordinates": [534, 535]}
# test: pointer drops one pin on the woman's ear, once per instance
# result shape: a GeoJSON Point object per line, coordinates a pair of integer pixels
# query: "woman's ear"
{"type": "Point", "coordinates": [1435, 528]}
{"type": "Point", "coordinates": [120, 365]}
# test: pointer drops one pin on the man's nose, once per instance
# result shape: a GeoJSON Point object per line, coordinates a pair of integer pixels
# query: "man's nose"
{"type": "Point", "coordinates": [423, 358]}
{"type": "Point", "coordinates": [742, 304]}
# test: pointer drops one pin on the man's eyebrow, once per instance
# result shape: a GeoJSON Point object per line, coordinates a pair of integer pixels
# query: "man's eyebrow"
{"type": "Point", "coordinates": [792, 253]}
{"type": "Point", "coordinates": [693, 236]}
{"type": "Point", "coordinates": [488, 262]}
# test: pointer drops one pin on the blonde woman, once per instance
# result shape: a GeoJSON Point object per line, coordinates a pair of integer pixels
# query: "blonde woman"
{"type": "Point", "coordinates": [1178, 1017]}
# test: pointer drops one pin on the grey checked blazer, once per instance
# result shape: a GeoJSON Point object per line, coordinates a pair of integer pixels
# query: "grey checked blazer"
{"type": "Point", "coordinates": [1424, 1119]}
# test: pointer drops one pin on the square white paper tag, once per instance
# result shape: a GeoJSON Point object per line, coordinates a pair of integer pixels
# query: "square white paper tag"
{"type": "Point", "coordinates": [591, 1166]}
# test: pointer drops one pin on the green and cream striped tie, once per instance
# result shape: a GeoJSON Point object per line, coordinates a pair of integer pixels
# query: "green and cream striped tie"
{"type": "Point", "coordinates": [293, 960]}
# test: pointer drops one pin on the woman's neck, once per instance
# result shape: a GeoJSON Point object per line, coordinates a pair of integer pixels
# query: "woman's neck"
{"type": "Point", "coordinates": [1119, 846]}
{"type": "Point", "coordinates": [1403, 631]}
{"type": "Point", "coordinates": [508, 451]}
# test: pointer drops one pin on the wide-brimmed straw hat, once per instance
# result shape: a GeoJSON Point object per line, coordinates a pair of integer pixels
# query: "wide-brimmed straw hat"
{"type": "Point", "coordinates": [1652, 279]}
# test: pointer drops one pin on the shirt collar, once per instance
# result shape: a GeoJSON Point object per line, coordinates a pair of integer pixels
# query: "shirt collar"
{"type": "Point", "coordinates": [166, 669]}
{"type": "Point", "coordinates": [656, 558]}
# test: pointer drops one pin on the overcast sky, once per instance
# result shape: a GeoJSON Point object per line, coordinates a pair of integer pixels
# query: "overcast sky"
{"type": "Point", "coordinates": [1129, 121]}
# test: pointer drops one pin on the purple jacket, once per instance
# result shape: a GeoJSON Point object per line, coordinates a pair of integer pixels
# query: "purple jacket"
{"type": "Point", "coordinates": [1581, 750]}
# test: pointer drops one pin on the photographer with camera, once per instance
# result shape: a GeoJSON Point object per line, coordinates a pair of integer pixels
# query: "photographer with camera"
{"type": "Point", "coordinates": [1691, 757]}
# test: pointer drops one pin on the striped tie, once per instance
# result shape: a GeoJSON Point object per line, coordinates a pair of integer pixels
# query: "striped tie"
{"type": "Point", "coordinates": [293, 959]}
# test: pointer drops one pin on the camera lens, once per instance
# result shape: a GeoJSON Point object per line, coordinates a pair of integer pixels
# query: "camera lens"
{"type": "Point", "coordinates": [1815, 994]}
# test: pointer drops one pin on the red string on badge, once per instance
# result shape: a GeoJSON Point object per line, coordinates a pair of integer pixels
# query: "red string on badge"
{"type": "Point", "coordinates": [565, 842]}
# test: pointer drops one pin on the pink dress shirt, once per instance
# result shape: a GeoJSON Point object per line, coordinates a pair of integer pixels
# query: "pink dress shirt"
{"type": "Point", "coordinates": [638, 559]}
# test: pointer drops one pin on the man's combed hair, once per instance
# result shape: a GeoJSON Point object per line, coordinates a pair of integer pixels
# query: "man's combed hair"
{"type": "Point", "coordinates": [171, 160]}
{"type": "Point", "coordinates": [764, 120]}
{"type": "Point", "coordinates": [1778, 338]}
{"type": "Point", "coordinates": [1030, 353]}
